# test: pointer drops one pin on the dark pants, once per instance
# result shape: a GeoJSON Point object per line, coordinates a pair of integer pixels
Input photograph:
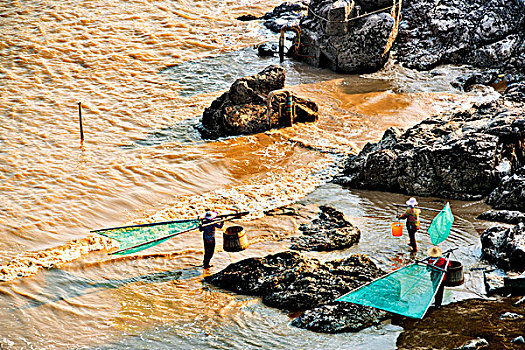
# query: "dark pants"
{"type": "Point", "coordinates": [209, 249]}
{"type": "Point", "coordinates": [412, 234]}
{"type": "Point", "coordinates": [438, 299]}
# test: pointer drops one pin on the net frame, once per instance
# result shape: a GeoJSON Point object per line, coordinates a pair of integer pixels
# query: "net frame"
{"type": "Point", "coordinates": [356, 296]}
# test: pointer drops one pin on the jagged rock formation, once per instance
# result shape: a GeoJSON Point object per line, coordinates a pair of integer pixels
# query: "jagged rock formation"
{"type": "Point", "coordinates": [330, 38]}
{"type": "Point", "coordinates": [505, 247]}
{"type": "Point", "coordinates": [482, 33]}
{"type": "Point", "coordinates": [329, 231]}
{"type": "Point", "coordinates": [243, 109]}
{"type": "Point", "coordinates": [339, 317]}
{"type": "Point", "coordinates": [505, 216]}
{"type": "Point", "coordinates": [464, 155]}
{"type": "Point", "coordinates": [293, 282]}
{"type": "Point", "coordinates": [510, 193]}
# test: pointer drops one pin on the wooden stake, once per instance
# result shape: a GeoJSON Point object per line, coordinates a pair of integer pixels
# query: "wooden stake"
{"type": "Point", "coordinates": [80, 120]}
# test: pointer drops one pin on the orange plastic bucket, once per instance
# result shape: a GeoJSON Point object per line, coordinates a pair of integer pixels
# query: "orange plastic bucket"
{"type": "Point", "coordinates": [397, 229]}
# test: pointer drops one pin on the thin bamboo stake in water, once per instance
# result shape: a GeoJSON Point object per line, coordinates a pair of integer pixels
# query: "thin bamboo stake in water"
{"type": "Point", "coordinates": [80, 120]}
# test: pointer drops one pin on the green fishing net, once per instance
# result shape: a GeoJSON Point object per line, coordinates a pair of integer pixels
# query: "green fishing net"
{"type": "Point", "coordinates": [440, 226]}
{"type": "Point", "coordinates": [136, 238]}
{"type": "Point", "coordinates": [407, 291]}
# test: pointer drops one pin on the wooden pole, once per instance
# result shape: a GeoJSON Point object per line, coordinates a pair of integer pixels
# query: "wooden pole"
{"type": "Point", "coordinates": [164, 222]}
{"type": "Point", "coordinates": [403, 205]}
{"type": "Point", "coordinates": [80, 121]}
{"type": "Point", "coordinates": [170, 236]}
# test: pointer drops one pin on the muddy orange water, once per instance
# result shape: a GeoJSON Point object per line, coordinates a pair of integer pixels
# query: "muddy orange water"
{"type": "Point", "coordinates": [144, 71]}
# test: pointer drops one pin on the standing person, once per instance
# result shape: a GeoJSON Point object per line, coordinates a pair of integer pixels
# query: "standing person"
{"type": "Point", "coordinates": [437, 260]}
{"type": "Point", "coordinates": [413, 223]}
{"type": "Point", "coordinates": [208, 236]}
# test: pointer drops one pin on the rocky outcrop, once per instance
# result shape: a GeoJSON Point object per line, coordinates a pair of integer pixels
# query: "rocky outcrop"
{"type": "Point", "coordinates": [243, 109]}
{"type": "Point", "coordinates": [339, 317]}
{"type": "Point", "coordinates": [505, 247]}
{"type": "Point", "coordinates": [287, 13]}
{"type": "Point", "coordinates": [505, 216]}
{"type": "Point", "coordinates": [510, 193]}
{"type": "Point", "coordinates": [482, 33]}
{"type": "Point", "coordinates": [339, 34]}
{"type": "Point", "coordinates": [516, 92]}
{"type": "Point", "coordinates": [329, 231]}
{"type": "Point", "coordinates": [331, 38]}
{"type": "Point", "coordinates": [462, 155]}
{"type": "Point", "coordinates": [294, 282]}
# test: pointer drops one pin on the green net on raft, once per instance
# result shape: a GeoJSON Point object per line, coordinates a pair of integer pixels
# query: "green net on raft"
{"type": "Point", "coordinates": [440, 226]}
{"type": "Point", "coordinates": [136, 238]}
{"type": "Point", "coordinates": [407, 291]}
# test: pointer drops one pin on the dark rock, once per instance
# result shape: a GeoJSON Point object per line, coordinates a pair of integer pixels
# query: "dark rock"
{"type": "Point", "coordinates": [481, 33]}
{"type": "Point", "coordinates": [243, 109]}
{"type": "Point", "coordinates": [462, 155]}
{"type": "Point", "coordinates": [266, 49]}
{"type": "Point", "coordinates": [505, 216]}
{"type": "Point", "coordinates": [486, 77]}
{"type": "Point", "coordinates": [510, 193]}
{"type": "Point", "coordinates": [330, 231]}
{"type": "Point", "coordinates": [505, 247]}
{"type": "Point", "coordinates": [331, 39]}
{"type": "Point", "coordinates": [293, 282]}
{"type": "Point", "coordinates": [516, 92]}
{"type": "Point", "coordinates": [339, 317]}
{"type": "Point", "coordinates": [287, 13]}
{"type": "Point", "coordinates": [246, 18]}
{"type": "Point", "coordinates": [477, 32]}
{"type": "Point", "coordinates": [515, 284]}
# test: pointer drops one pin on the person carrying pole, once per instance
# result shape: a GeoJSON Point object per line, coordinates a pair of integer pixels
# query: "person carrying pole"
{"type": "Point", "coordinates": [413, 223]}
{"type": "Point", "coordinates": [208, 236]}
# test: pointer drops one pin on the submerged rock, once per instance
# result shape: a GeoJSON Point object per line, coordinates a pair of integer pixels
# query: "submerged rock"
{"type": "Point", "coordinates": [463, 155]}
{"type": "Point", "coordinates": [243, 109]}
{"type": "Point", "coordinates": [339, 317]}
{"type": "Point", "coordinates": [505, 247]}
{"type": "Point", "coordinates": [329, 231]}
{"type": "Point", "coordinates": [294, 282]}
{"type": "Point", "coordinates": [505, 216]}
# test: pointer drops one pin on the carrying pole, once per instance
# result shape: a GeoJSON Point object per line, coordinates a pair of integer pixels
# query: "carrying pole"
{"type": "Point", "coordinates": [170, 236]}
{"type": "Point", "coordinates": [164, 222]}
{"type": "Point", "coordinates": [418, 207]}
